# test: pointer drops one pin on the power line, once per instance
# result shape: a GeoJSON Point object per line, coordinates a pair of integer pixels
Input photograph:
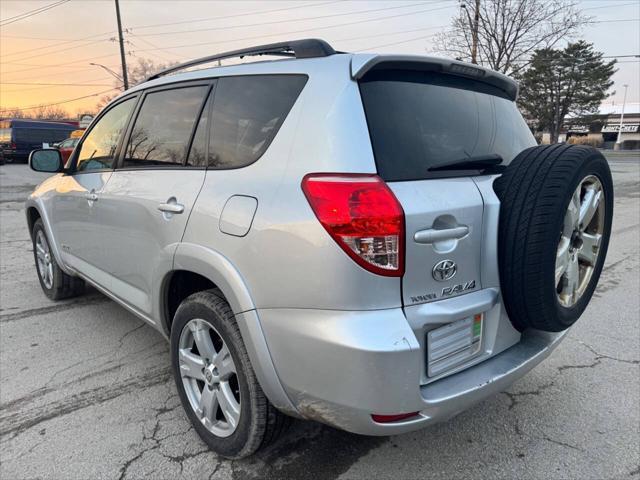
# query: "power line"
{"type": "Point", "coordinates": [31, 13]}
{"type": "Point", "coordinates": [356, 22]}
{"type": "Point", "coordinates": [56, 44]}
{"type": "Point", "coordinates": [93, 42]}
{"type": "Point", "coordinates": [62, 102]}
{"type": "Point", "coordinates": [617, 5]}
{"type": "Point", "coordinates": [44, 86]}
{"type": "Point", "coordinates": [616, 20]}
{"type": "Point", "coordinates": [398, 43]}
{"type": "Point", "coordinates": [275, 22]}
{"type": "Point", "coordinates": [223, 17]}
{"type": "Point", "coordinates": [38, 67]}
{"type": "Point", "coordinates": [60, 84]}
{"type": "Point", "coordinates": [302, 31]}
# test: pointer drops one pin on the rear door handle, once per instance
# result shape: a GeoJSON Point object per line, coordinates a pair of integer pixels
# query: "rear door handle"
{"type": "Point", "coordinates": [172, 206]}
{"type": "Point", "coordinates": [433, 235]}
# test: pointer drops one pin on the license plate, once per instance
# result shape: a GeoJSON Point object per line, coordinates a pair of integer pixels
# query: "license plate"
{"type": "Point", "coordinates": [453, 344]}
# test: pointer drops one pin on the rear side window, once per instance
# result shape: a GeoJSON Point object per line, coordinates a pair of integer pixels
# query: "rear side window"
{"type": "Point", "coordinates": [421, 119]}
{"type": "Point", "coordinates": [162, 130]}
{"type": "Point", "coordinates": [247, 114]}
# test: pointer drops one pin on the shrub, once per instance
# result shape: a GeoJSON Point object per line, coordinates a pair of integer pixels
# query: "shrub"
{"type": "Point", "coordinates": [584, 140]}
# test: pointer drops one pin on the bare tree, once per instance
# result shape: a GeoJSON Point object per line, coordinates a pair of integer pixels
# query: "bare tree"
{"type": "Point", "coordinates": [509, 31]}
{"type": "Point", "coordinates": [51, 112]}
{"type": "Point", "coordinates": [137, 73]}
{"type": "Point", "coordinates": [13, 113]}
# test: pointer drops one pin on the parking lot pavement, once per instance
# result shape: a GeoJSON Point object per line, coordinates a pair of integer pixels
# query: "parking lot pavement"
{"type": "Point", "coordinates": [86, 391]}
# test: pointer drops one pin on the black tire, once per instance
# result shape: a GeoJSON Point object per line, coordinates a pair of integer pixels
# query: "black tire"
{"type": "Point", "coordinates": [535, 191]}
{"type": "Point", "coordinates": [62, 285]}
{"type": "Point", "coordinates": [260, 423]}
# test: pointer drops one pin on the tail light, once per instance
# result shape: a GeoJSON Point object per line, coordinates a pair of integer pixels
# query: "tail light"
{"type": "Point", "coordinates": [363, 216]}
{"type": "Point", "coordinates": [13, 146]}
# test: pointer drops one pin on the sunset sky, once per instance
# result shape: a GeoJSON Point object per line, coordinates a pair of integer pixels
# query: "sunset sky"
{"type": "Point", "coordinates": [44, 58]}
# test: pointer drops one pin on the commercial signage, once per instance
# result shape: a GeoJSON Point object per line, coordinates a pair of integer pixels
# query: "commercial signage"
{"type": "Point", "coordinates": [578, 129]}
{"type": "Point", "coordinates": [85, 120]}
{"type": "Point", "coordinates": [615, 127]}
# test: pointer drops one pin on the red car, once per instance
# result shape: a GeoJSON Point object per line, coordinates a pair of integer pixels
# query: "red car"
{"type": "Point", "coordinates": [66, 147]}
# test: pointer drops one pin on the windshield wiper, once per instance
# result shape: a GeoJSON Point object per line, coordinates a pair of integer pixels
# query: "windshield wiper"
{"type": "Point", "coordinates": [479, 162]}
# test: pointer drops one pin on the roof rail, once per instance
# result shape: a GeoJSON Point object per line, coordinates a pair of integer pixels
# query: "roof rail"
{"type": "Point", "coordinates": [306, 48]}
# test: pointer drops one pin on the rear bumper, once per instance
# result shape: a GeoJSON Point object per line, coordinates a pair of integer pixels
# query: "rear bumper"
{"type": "Point", "coordinates": [341, 367]}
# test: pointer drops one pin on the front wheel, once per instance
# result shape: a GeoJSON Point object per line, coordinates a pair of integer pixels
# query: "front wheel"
{"type": "Point", "coordinates": [215, 380]}
{"type": "Point", "coordinates": [55, 284]}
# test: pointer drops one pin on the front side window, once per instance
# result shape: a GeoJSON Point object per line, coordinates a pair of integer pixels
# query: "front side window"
{"type": "Point", "coordinates": [247, 114]}
{"type": "Point", "coordinates": [161, 133]}
{"type": "Point", "coordinates": [98, 148]}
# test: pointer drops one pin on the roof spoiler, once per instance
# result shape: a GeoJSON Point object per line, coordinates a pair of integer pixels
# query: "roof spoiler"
{"type": "Point", "coordinates": [362, 64]}
{"type": "Point", "coordinates": [306, 48]}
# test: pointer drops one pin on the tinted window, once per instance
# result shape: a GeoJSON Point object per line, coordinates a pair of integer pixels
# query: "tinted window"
{"type": "Point", "coordinates": [247, 114]}
{"type": "Point", "coordinates": [98, 148]}
{"type": "Point", "coordinates": [420, 119]}
{"type": "Point", "coordinates": [198, 152]}
{"type": "Point", "coordinates": [161, 133]}
{"type": "Point", "coordinates": [5, 135]}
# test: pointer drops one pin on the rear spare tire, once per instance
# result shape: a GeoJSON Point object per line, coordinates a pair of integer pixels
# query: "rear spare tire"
{"type": "Point", "coordinates": [555, 222]}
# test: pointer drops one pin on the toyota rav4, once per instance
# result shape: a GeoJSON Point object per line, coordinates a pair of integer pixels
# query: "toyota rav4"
{"type": "Point", "coordinates": [375, 242]}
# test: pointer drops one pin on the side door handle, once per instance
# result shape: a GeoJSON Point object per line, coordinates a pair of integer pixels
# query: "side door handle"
{"type": "Point", "coordinates": [433, 235]}
{"type": "Point", "coordinates": [171, 207]}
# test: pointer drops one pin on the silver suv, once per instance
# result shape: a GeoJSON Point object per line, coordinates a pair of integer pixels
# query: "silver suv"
{"type": "Point", "coordinates": [370, 241]}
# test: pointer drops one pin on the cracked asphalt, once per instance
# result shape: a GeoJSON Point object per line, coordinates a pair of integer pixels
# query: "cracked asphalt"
{"type": "Point", "coordinates": [86, 391]}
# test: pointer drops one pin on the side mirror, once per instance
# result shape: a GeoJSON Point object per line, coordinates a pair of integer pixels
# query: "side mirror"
{"type": "Point", "coordinates": [46, 160]}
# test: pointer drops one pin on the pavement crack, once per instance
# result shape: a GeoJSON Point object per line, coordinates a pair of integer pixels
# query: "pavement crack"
{"type": "Point", "coordinates": [563, 444]}
{"type": "Point", "coordinates": [513, 397]}
{"type": "Point", "coordinates": [21, 421]}
{"type": "Point", "coordinates": [83, 302]}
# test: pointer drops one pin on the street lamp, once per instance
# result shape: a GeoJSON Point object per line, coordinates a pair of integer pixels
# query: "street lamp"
{"type": "Point", "coordinates": [618, 144]}
{"type": "Point", "coordinates": [111, 72]}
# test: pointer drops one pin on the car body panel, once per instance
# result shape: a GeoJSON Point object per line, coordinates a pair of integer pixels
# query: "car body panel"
{"type": "Point", "coordinates": [139, 240]}
{"type": "Point", "coordinates": [328, 340]}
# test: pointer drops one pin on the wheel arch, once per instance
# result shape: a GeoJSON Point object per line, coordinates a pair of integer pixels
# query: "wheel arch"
{"type": "Point", "coordinates": [35, 211]}
{"type": "Point", "coordinates": [211, 269]}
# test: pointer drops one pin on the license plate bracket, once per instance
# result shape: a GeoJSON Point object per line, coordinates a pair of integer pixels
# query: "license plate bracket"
{"type": "Point", "coordinates": [453, 344]}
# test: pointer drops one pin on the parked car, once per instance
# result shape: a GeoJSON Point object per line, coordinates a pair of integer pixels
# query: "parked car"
{"type": "Point", "coordinates": [370, 241]}
{"type": "Point", "coordinates": [66, 147]}
{"type": "Point", "coordinates": [19, 137]}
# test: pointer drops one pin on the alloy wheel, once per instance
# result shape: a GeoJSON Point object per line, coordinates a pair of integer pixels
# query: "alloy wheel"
{"type": "Point", "coordinates": [44, 260]}
{"type": "Point", "coordinates": [209, 377]}
{"type": "Point", "coordinates": [580, 240]}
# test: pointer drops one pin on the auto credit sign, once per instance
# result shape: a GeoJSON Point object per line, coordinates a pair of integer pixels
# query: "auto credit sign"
{"type": "Point", "coordinates": [614, 128]}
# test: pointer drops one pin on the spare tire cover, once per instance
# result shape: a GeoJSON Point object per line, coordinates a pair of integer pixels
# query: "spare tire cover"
{"type": "Point", "coordinates": [555, 222]}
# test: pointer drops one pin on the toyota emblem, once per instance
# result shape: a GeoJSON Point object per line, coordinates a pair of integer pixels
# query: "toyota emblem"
{"type": "Point", "coordinates": [444, 270]}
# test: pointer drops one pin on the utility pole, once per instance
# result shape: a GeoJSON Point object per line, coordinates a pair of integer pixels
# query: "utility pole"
{"type": "Point", "coordinates": [125, 80]}
{"type": "Point", "coordinates": [618, 144]}
{"type": "Point", "coordinates": [474, 29]}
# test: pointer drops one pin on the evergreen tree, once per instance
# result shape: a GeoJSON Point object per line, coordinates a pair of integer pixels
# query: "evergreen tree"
{"type": "Point", "coordinates": [560, 83]}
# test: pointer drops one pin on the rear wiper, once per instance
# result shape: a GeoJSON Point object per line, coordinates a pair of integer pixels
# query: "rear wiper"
{"type": "Point", "coordinates": [479, 162]}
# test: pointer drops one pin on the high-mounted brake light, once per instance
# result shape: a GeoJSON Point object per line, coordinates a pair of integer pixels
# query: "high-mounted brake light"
{"type": "Point", "coordinates": [363, 216]}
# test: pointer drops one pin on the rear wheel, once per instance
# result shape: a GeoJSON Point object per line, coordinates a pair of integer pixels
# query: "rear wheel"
{"type": "Point", "coordinates": [55, 284]}
{"type": "Point", "coordinates": [216, 383]}
{"type": "Point", "coordinates": [555, 222]}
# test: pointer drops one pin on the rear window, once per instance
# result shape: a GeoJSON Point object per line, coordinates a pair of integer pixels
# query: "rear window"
{"type": "Point", "coordinates": [421, 119]}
